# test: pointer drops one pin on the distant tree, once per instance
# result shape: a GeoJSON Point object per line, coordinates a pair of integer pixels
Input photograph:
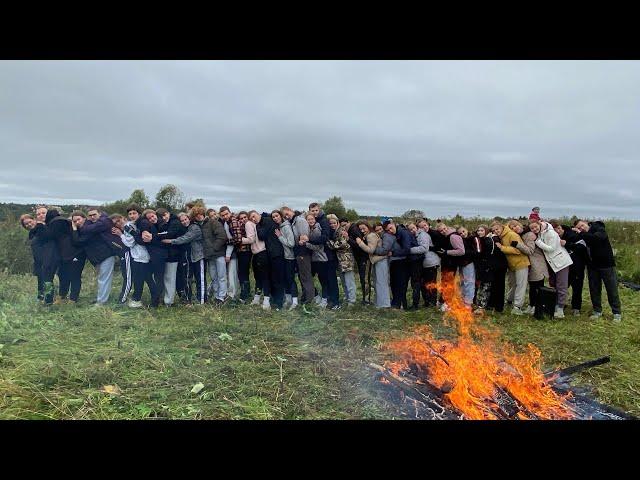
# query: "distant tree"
{"type": "Point", "coordinates": [413, 214]}
{"type": "Point", "coordinates": [120, 206]}
{"type": "Point", "coordinates": [138, 196]}
{"type": "Point", "coordinates": [169, 197]}
{"type": "Point", "coordinates": [336, 206]}
{"type": "Point", "coordinates": [195, 201]}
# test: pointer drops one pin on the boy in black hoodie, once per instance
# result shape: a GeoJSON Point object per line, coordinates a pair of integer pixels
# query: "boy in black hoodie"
{"type": "Point", "coordinates": [601, 268]}
{"type": "Point", "coordinates": [577, 249]}
{"type": "Point", "coordinates": [177, 264]}
{"type": "Point", "coordinates": [150, 233]}
{"type": "Point", "coordinates": [73, 257]}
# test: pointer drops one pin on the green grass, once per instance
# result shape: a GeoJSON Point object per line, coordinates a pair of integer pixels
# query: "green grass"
{"type": "Point", "coordinates": [55, 362]}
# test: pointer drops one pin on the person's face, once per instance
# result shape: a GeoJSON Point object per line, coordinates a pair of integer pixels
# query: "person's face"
{"type": "Point", "coordinates": [213, 215]}
{"type": "Point", "coordinates": [315, 211]}
{"type": "Point", "coordinates": [518, 229]}
{"type": "Point", "coordinates": [133, 215]}
{"type": "Point", "coordinates": [424, 226]}
{"type": "Point", "coordinates": [363, 229]}
{"type": "Point", "coordinates": [379, 229]}
{"type": "Point", "coordinates": [497, 230]}
{"type": "Point", "coordinates": [535, 228]}
{"type": "Point", "coordinates": [275, 216]}
{"type": "Point", "coordinates": [536, 210]}
{"type": "Point", "coordinates": [254, 217]}
{"type": "Point", "coordinates": [333, 224]}
{"type": "Point", "coordinates": [391, 228]}
{"type": "Point", "coordinates": [41, 214]}
{"type": "Point", "coordinates": [199, 217]}
{"type": "Point", "coordinates": [93, 215]}
{"type": "Point", "coordinates": [481, 232]}
{"type": "Point", "coordinates": [582, 226]}
{"type": "Point", "coordinates": [119, 223]}
{"type": "Point", "coordinates": [559, 230]}
{"type": "Point", "coordinates": [78, 221]}
{"type": "Point", "coordinates": [152, 217]}
{"type": "Point", "coordinates": [463, 232]}
{"type": "Point", "coordinates": [29, 223]}
{"type": "Point", "coordinates": [184, 220]}
{"type": "Point", "coordinates": [226, 215]}
{"type": "Point", "coordinates": [166, 217]}
{"type": "Point", "coordinates": [413, 229]}
{"type": "Point", "coordinates": [243, 217]}
{"type": "Point", "coordinates": [311, 219]}
{"type": "Point", "coordinates": [441, 229]}
{"type": "Point", "coordinates": [288, 214]}
{"type": "Point", "coordinates": [344, 224]}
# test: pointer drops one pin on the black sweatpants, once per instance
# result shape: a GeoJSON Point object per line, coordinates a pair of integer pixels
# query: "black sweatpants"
{"type": "Point", "coordinates": [261, 273]}
{"type": "Point", "coordinates": [48, 273]}
{"type": "Point", "coordinates": [534, 288]}
{"type": "Point", "coordinates": [290, 286]}
{"type": "Point", "coordinates": [199, 273]}
{"type": "Point", "coordinates": [70, 275]}
{"type": "Point", "coordinates": [415, 273]}
{"type": "Point", "coordinates": [496, 300]}
{"type": "Point", "coordinates": [428, 287]}
{"type": "Point", "coordinates": [576, 281]}
{"type": "Point", "coordinates": [244, 265]}
{"type": "Point", "coordinates": [399, 279]}
{"type": "Point", "coordinates": [141, 273]}
{"type": "Point", "coordinates": [183, 277]}
{"type": "Point", "coordinates": [608, 276]}
{"type": "Point", "coordinates": [361, 264]}
{"type": "Point", "coordinates": [333, 290]}
{"type": "Point", "coordinates": [321, 269]}
{"type": "Point", "coordinates": [277, 277]}
{"type": "Point", "coordinates": [157, 266]}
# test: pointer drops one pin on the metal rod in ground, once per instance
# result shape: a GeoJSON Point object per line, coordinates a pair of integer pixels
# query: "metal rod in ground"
{"type": "Point", "coordinates": [563, 372]}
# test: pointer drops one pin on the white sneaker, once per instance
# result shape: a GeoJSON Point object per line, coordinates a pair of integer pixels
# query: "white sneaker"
{"type": "Point", "coordinates": [559, 313]}
{"type": "Point", "coordinates": [595, 316]}
{"type": "Point", "coordinates": [266, 305]}
{"type": "Point", "coordinates": [575, 312]}
{"type": "Point", "coordinates": [293, 306]}
{"type": "Point", "coordinates": [135, 304]}
{"type": "Point", "coordinates": [318, 299]}
{"type": "Point", "coordinates": [517, 311]}
{"type": "Point", "coordinates": [287, 299]}
{"type": "Point", "coordinates": [444, 307]}
{"type": "Point", "coordinates": [323, 303]}
{"type": "Point", "coordinates": [530, 310]}
{"type": "Point", "coordinates": [256, 300]}
{"type": "Point", "coordinates": [617, 317]}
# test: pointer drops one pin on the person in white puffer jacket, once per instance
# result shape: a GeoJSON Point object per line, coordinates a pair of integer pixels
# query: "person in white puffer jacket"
{"type": "Point", "coordinates": [558, 259]}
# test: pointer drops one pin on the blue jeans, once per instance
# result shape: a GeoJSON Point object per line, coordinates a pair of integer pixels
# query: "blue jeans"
{"type": "Point", "coordinates": [105, 277]}
{"type": "Point", "coordinates": [468, 283]}
{"type": "Point", "coordinates": [218, 276]}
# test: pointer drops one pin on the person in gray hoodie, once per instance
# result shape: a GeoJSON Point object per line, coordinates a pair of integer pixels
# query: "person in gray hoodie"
{"type": "Point", "coordinates": [284, 232]}
{"type": "Point", "coordinates": [300, 228]}
{"type": "Point", "coordinates": [215, 249]}
{"type": "Point", "coordinates": [430, 262]}
{"type": "Point", "coordinates": [319, 259]}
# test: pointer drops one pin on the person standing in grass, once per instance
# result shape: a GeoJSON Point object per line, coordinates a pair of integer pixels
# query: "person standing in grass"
{"type": "Point", "coordinates": [346, 261]}
{"type": "Point", "coordinates": [29, 223]}
{"type": "Point", "coordinates": [234, 235]}
{"type": "Point", "coordinates": [430, 264]}
{"type": "Point", "coordinates": [577, 249]}
{"type": "Point", "coordinates": [285, 235]}
{"type": "Point", "coordinates": [538, 268]}
{"type": "Point", "coordinates": [132, 262]}
{"type": "Point", "coordinates": [467, 267]}
{"type": "Point", "coordinates": [176, 263]}
{"type": "Point", "coordinates": [452, 252]}
{"type": "Point", "coordinates": [215, 249]}
{"type": "Point", "coordinates": [259, 261]}
{"type": "Point", "coordinates": [490, 267]}
{"type": "Point", "coordinates": [318, 259]}
{"type": "Point", "coordinates": [558, 259]}
{"type": "Point", "coordinates": [192, 240]}
{"type": "Point", "coordinates": [150, 233]}
{"type": "Point", "coordinates": [367, 243]}
{"type": "Point", "coordinates": [518, 264]}
{"type": "Point", "coordinates": [266, 230]}
{"type": "Point", "coordinates": [199, 265]}
{"type": "Point", "coordinates": [72, 258]}
{"type": "Point", "coordinates": [601, 268]}
{"type": "Point", "coordinates": [300, 228]}
{"type": "Point", "coordinates": [244, 254]}
{"type": "Point", "coordinates": [417, 256]}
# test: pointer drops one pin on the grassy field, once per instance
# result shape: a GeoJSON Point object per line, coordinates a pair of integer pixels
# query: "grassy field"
{"type": "Point", "coordinates": [69, 362]}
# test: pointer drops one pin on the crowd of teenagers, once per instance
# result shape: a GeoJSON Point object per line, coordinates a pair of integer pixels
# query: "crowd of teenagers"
{"type": "Point", "coordinates": [200, 256]}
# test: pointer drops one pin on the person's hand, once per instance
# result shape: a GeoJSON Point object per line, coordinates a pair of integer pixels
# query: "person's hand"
{"type": "Point", "coordinates": [227, 259]}
{"type": "Point", "coordinates": [304, 238]}
{"type": "Point", "coordinates": [345, 234]}
{"type": "Point", "coordinates": [498, 244]}
{"type": "Point", "coordinates": [442, 251]}
{"type": "Point", "coordinates": [74, 227]}
{"type": "Point", "coordinates": [563, 242]}
{"type": "Point", "coordinates": [278, 232]}
{"type": "Point", "coordinates": [359, 240]}
{"type": "Point", "coordinates": [116, 231]}
{"type": "Point", "coordinates": [166, 240]}
{"type": "Point", "coordinates": [514, 244]}
{"type": "Point", "coordinates": [389, 254]}
{"type": "Point", "coordinates": [577, 230]}
{"type": "Point", "coordinates": [146, 236]}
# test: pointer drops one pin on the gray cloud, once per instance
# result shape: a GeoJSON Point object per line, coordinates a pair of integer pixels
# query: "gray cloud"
{"type": "Point", "coordinates": [476, 138]}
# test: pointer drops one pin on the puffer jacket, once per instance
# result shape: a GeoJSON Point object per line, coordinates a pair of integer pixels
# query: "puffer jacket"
{"type": "Point", "coordinates": [193, 238]}
{"type": "Point", "coordinates": [515, 258]}
{"type": "Point", "coordinates": [431, 259]}
{"type": "Point", "coordinates": [287, 239]}
{"type": "Point", "coordinates": [214, 238]}
{"type": "Point", "coordinates": [538, 269]}
{"type": "Point", "coordinates": [556, 255]}
{"type": "Point", "coordinates": [346, 260]}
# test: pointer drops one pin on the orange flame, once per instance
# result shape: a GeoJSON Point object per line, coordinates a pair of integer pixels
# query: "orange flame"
{"type": "Point", "coordinates": [474, 369]}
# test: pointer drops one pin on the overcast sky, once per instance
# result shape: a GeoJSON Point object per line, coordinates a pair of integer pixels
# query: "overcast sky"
{"type": "Point", "coordinates": [472, 137]}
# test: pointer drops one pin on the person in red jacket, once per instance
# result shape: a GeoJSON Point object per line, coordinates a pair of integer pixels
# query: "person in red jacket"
{"type": "Point", "coordinates": [535, 214]}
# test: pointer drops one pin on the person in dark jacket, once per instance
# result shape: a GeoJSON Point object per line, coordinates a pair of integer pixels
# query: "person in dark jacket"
{"type": "Point", "coordinates": [451, 249]}
{"type": "Point", "coordinates": [577, 249]}
{"type": "Point", "coordinates": [601, 267]}
{"type": "Point", "coordinates": [467, 267]}
{"type": "Point", "coordinates": [300, 228]}
{"type": "Point", "coordinates": [326, 233]}
{"type": "Point", "coordinates": [72, 257]}
{"type": "Point", "coordinates": [398, 264]}
{"type": "Point", "coordinates": [177, 264]}
{"type": "Point", "coordinates": [47, 250]}
{"type": "Point", "coordinates": [360, 256]}
{"type": "Point", "coordinates": [93, 233]}
{"type": "Point", "coordinates": [29, 223]}
{"type": "Point", "coordinates": [415, 261]}
{"type": "Point", "coordinates": [490, 263]}
{"type": "Point", "coordinates": [149, 233]}
{"type": "Point", "coordinates": [275, 251]}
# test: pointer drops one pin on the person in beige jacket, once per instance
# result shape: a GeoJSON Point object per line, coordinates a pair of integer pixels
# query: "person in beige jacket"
{"type": "Point", "coordinates": [379, 263]}
{"type": "Point", "coordinates": [538, 269]}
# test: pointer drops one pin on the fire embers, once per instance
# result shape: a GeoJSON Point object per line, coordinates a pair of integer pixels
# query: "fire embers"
{"type": "Point", "coordinates": [479, 375]}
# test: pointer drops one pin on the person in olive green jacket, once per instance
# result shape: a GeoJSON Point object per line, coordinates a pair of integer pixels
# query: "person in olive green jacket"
{"type": "Point", "coordinates": [518, 264]}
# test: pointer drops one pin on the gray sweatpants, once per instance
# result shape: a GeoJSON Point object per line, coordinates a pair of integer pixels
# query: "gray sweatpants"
{"type": "Point", "coordinates": [383, 292]}
{"type": "Point", "coordinates": [306, 279]}
{"type": "Point", "coordinates": [218, 275]}
{"type": "Point", "coordinates": [104, 272]}
{"type": "Point", "coordinates": [608, 276]}
{"type": "Point", "coordinates": [517, 286]}
{"type": "Point", "coordinates": [349, 285]}
{"type": "Point", "coordinates": [170, 272]}
{"type": "Point", "coordinates": [560, 281]}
